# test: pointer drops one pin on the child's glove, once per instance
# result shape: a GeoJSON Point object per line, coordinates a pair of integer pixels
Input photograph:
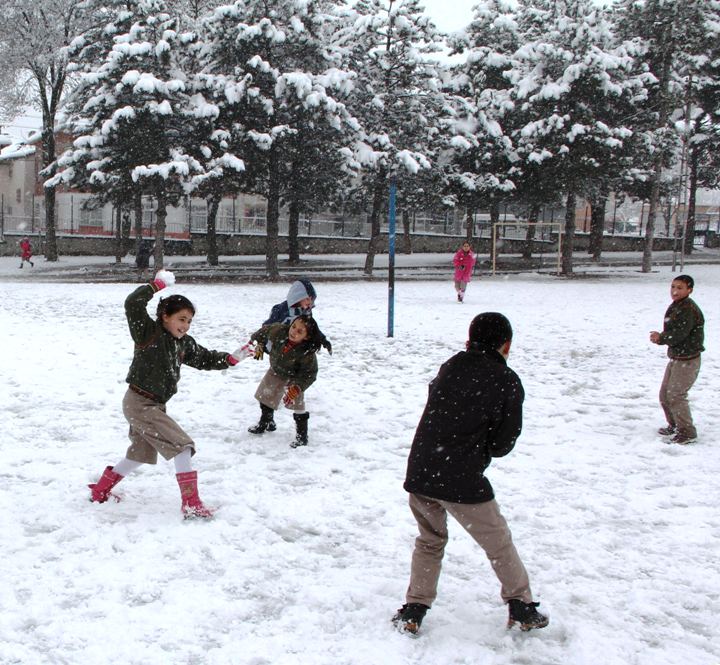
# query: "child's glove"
{"type": "Point", "coordinates": [163, 278]}
{"type": "Point", "coordinates": [241, 353]}
{"type": "Point", "coordinates": [326, 345]}
{"type": "Point", "coordinates": [259, 351]}
{"type": "Point", "coordinates": [291, 394]}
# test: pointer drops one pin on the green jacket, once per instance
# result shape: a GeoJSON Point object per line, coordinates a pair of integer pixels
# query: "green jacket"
{"type": "Point", "coordinates": [684, 330]}
{"type": "Point", "coordinates": [297, 364]}
{"type": "Point", "coordinates": [158, 355]}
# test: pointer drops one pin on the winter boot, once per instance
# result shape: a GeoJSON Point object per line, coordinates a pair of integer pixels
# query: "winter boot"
{"type": "Point", "coordinates": [668, 430]}
{"type": "Point", "coordinates": [409, 617]}
{"type": "Point", "coordinates": [191, 504]}
{"type": "Point", "coordinates": [100, 491]}
{"type": "Point", "coordinates": [301, 429]}
{"type": "Point", "coordinates": [526, 615]}
{"type": "Point", "coordinates": [266, 422]}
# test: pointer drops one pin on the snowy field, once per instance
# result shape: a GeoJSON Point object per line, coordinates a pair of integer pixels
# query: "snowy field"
{"type": "Point", "coordinates": [309, 554]}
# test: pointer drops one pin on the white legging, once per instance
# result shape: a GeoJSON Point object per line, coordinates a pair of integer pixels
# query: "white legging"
{"type": "Point", "coordinates": [182, 464]}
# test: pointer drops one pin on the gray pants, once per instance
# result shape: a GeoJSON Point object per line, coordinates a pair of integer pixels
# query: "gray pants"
{"type": "Point", "coordinates": [271, 389]}
{"type": "Point", "coordinates": [152, 431]}
{"type": "Point", "coordinates": [488, 528]}
{"type": "Point", "coordinates": [680, 375]}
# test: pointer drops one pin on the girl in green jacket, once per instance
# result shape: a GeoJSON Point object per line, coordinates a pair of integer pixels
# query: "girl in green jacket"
{"type": "Point", "coordinates": [161, 347]}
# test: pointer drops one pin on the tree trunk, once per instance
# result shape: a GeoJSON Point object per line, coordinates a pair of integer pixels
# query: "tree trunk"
{"type": "Point", "coordinates": [125, 229]}
{"type": "Point", "coordinates": [213, 203]}
{"type": "Point", "coordinates": [652, 213]}
{"type": "Point", "coordinates": [119, 248]}
{"type": "Point", "coordinates": [293, 227]}
{"type": "Point", "coordinates": [138, 212]}
{"type": "Point", "coordinates": [469, 223]}
{"type": "Point", "coordinates": [569, 234]}
{"type": "Point", "coordinates": [533, 214]}
{"type": "Point", "coordinates": [407, 249]}
{"type": "Point", "coordinates": [160, 225]}
{"type": "Point", "coordinates": [272, 222]}
{"type": "Point", "coordinates": [597, 224]}
{"type": "Point", "coordinates": [692, 196]}
{"type": "Point", "coordinates": [374, 244]}
{"type": "Point", "coordinates": [51, 253]}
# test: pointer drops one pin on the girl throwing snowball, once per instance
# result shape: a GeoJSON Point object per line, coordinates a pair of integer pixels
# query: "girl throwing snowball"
{"type": "Point", "coordinates": [161, 347]}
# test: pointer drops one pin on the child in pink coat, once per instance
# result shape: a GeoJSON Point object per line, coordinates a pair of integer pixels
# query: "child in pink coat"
{"type": "Point", "coordinates": [464, 262]}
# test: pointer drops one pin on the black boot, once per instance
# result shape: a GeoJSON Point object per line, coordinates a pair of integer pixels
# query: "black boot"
{"type": "Point", "coordinates": [409, 617]}
{"type": "Point", "coordinates": [526, 615]}
{"type": "Point", "coordinates": [301, 429]}
{"type": "Point", "coordinates": [266, 423]}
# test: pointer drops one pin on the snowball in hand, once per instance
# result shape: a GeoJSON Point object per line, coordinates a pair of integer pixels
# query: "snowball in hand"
{"type": "Point", "coordinates": [166, 277]}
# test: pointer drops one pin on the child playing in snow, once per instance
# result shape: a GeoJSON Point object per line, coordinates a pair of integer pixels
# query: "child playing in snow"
{"type": "Point", "coordinates": [473, 413]}
{"type": "Point", "coordinates": [683, 332]}
{"type": "Point", "coordinates": [464, 262]}
{"type": "Point", "coordinates": [161, 347]}
{"type": "Point", "coordinates": [293, 369]}
{"type": "Point", "coordinates": [300, 301]}
{"type": "Point", "coordinates": [26, 252]}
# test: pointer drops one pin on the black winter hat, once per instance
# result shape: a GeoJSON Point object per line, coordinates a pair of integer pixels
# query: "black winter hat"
{"type": "Point", "coordinates": [489, 330]}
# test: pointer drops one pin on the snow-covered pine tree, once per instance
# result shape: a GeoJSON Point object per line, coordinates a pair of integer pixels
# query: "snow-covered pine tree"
{"type": "Point", "coordinates": [278, 87]}
{"type": "Point", "coordinates": [566, 76]}
{"type": "Point", "coordinates": [480, 145]}
{"type": "Point", "coordinates": [33, 34]}
{"type": "Point", "coordinates": [130, 112]}
{"type": "Point", "coordinates": [672, 34]}
{"type": "Point", "coordinates": [398, 99]}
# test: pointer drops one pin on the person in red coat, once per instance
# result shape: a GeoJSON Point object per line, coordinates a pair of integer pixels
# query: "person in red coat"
{"type": "Point", "coordinates": [464, 262]}
{"type": "Point", "coordinates": [25, 251]}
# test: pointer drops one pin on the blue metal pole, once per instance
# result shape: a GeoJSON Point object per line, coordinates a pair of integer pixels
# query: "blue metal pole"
{"type": "Point", "coordinates": [391, 259]}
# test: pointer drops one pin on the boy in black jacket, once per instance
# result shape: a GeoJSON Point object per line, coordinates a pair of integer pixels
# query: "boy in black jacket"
{"type": "Point", "coordinates": [473, 413]}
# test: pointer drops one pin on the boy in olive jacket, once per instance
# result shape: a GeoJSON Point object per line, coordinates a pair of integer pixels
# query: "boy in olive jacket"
{"type": "Point", "coordinates": [683, 332]}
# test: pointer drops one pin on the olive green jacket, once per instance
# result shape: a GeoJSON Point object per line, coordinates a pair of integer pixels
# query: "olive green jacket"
{"type": "Point", "coordinates": [158, 355]}
{"type": "Point", "coordinates": [684, 330]}
{"type": "Point", "coordinates": [297, 364]}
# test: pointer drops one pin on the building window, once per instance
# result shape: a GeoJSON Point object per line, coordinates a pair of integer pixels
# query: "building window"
{"type": "Point", "coordinates": [18, 196]}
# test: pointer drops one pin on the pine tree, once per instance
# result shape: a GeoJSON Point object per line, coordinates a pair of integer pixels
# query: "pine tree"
{"type": "Point", "coordinates": [130, 112]}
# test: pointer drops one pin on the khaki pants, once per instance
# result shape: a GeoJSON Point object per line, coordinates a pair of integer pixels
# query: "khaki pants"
{"type": "Point", "coordinates": [271, 389]}
{"type": "Point", "coordinates": [152, 431]}
{"type": "Point", "coordinates": [488, 528]}
{"type": "Point", "coordinates": [680, 375]}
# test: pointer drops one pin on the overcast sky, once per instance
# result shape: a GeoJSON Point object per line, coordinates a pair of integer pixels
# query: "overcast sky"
{"type": "Point", "coordinates": [450, 15]}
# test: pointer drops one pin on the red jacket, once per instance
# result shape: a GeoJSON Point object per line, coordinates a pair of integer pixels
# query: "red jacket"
{"type": "Point", "coordinates": [26, 248]}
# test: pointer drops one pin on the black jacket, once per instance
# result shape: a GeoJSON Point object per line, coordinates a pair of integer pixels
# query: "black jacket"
{"type": "Point", "coordinates": [473, 413]}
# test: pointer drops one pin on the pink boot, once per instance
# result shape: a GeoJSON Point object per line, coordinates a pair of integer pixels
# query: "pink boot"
{"type": "Point", "coordinates": [101, 489]}
{"type": "Point", "coordinates": [191, 504]}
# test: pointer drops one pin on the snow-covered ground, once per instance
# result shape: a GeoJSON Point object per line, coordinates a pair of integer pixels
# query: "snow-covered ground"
{"type": "Point", "coordinates": [309, 554]}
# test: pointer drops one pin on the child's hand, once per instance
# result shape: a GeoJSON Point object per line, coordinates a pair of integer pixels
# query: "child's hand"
{"type": "Point", "coordinates": [164, 278]}
{"type": "Point", "coordinates": [326, 344]}
{"type": "Point", "coordinates": [259, 351]}
{"type": "Point", "coordinates": [291, 394]}
{"type": "Point", "coordinates": [241, 353]}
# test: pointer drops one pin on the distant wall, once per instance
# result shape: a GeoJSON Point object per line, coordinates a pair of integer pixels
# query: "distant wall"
{"type": "Point", "coordinates": [230, 245]}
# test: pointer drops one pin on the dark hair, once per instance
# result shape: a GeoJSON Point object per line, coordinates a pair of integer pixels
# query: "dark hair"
{"type": "Point", "coordinates": [489, 331]}
{"type": "Point", "coordinates": [689, 281]}
{"type": "Point", "coordinates": [172, 305]}
{"type": "Point", "coordinates": [314, 338]}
